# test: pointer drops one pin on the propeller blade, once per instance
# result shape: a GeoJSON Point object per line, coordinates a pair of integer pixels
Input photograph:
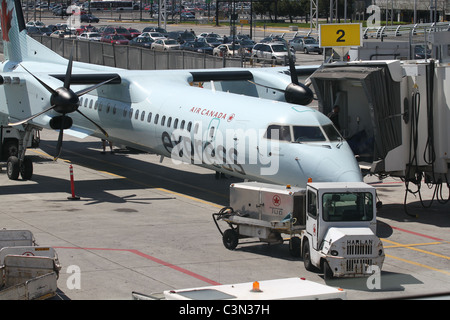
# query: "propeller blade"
{"type": "Point", "coordinates": [49, 89]}
{"type": "Point", "coordinates": [87, 90]}
{"type": "Point", "coordinates": [100, 128]}
{"type": "Point", "coordinates": [30, 118]}
{"type": "Point", "coordinates": [293, 72]}
{"type": "Point", "coordinates": [60, 138]}
{"type": "Point", "coordinates": [68, 76]}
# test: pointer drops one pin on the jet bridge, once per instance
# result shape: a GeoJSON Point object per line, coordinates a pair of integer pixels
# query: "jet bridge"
{"type": "Point", "coordinates": [394, 114]}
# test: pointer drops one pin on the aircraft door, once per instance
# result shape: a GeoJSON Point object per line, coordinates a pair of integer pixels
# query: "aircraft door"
{"type": "Point", "coordinates": [212, 130]}
{"type": "Point", "coordinates": [312, 216]}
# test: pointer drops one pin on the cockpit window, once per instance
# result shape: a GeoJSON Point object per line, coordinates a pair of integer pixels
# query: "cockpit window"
{"type": "Point", "coordinates": [277, 132]}
{"type": "Point", "coordinates": [308, 134]}
{"type": "Point", "coordinates": [332, 133]}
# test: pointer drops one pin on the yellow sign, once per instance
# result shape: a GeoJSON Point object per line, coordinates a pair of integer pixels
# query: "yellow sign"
{"type": "Point", "coordinates": [340, 35]}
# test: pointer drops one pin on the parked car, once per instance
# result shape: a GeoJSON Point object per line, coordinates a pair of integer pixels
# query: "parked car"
{"type": "Point", "coordinates": [60, 12]}
{"type": "Point", "coordinates": [156, 29]}
{"type": "Point", "coordinates": [197, 46]}
{"type": "Point", "coordinates": [181, 36]}
{"type": "Point", "coordinates": [134, 32]}
{"type": "Point", "coordinates": [145, 42]}
{"type": "Point", "coordinates": [210, 35]}
{"type": "Point", "coordinates": [276, 52]}
{"type": "Point", "coordinates": [419, 52]}
{"type": "Point", "coordinates": [116, 30]}
{"type": "Point", "coordinates": [33, 30]}
{"type": "Point", "coordinates": [45, 31]}
{"type": "Point", "coordinates": [273, 39]}
{"type": "Point", "coordinates": [247, 44]}
{"type": "Point", "coordinates": [114, 38]}
{"type": "Point", "coordinates": [305, 45]}
{"type": "Point", "coordinates": [226, 49]}
{"type": "Point", "coordinates": [153, 35]}
{"type": "Point", "coordinates": [211, 41]}
{"type": "Point", "coordinates": [91, 36]}
{"type": "Point", "coordinates": [165, 45]}
{"type": "Point", "coordinates": [89, 18]}
{"type": "Point", "coordinates": [35, 24]}
{"type": "Point", "coordinates": [62, 34]}
{"type": "Point", "coordinates": [187, 16]}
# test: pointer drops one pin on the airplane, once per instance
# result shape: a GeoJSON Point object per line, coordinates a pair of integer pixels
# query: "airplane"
{"type": "Point", "coordinates": [248, 123]}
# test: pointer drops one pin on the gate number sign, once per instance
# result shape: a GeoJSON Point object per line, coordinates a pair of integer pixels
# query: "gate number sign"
{"type": "Point", "coordinates": [340, 35]}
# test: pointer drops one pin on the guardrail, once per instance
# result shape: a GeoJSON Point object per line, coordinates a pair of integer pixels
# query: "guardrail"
{"type": "Point", "coordinates": [405, 30]}
{"type": "Point", "coordinates": [135, 58]}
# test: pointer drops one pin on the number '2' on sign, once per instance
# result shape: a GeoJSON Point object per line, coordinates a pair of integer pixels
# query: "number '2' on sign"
{"type": "Point", "coordinates": [340, 35]}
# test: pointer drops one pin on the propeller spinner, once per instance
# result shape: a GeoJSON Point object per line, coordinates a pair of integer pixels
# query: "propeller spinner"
{"type": "Point", "coordinates": [63, 100]}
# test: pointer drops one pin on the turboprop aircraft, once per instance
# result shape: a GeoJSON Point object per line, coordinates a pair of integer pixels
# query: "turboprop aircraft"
{"type": "Point", "coordinates": [237, 130]}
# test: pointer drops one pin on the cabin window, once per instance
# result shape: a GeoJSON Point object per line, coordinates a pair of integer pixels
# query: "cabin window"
{"type": "Point", "coordinates": [136, 116]}
{"type": "Point", "coordinates": [211, 132]}
{"type": "Point", "coordinates": [142, 115]}
{"type": "Point", "coordinates": [169, 121]}
{"type": "Point", "coordinates": [163, 120]}
{"type": "Point", "coordinates": [156, 118]}
{"type": "Point", "coordinates": [196, 127]}
{"type": "Point", "coordinates": [308, 134]}
{"type": "Point", "coordinates": [277, 132]}
{"type": "Point", "coordinates": [90, 104]}
{"type": "Point", "coordinates": [114, 109]}
{"type": "Point", "coordinates": [175, 123]}
{"type": "Point", "coordinates": [96, 105]}
{"type": "Point", "coordinates": [189, 126]}
{"type": "Point", "coordinates": [100, 107]}
{"type": "Point", "coordinates": [182, 124]}
{"type": "Point", "coordinates": [85, 103]}
{"type": "Point", "coordinates": [149, 117]}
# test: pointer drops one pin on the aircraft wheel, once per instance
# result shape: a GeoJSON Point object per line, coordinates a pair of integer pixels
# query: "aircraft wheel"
{"type": "Point", "coordinates": [26, 168]}
{"type": "Point", "coordinates": [295, 246]}
{"type": "Point", "coordinates": [230, 239]}
{"type": "Point", "coordinates": [12, 168]}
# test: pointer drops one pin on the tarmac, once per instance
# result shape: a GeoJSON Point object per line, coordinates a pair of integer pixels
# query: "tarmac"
{"type": "Point", "coordinates": [142, 225]}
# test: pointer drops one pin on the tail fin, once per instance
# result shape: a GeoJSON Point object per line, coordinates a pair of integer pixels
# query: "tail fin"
{"type": "Point", "coordinates": [13, 29]}
{"type": "Point", "coordinates": [17, 46]}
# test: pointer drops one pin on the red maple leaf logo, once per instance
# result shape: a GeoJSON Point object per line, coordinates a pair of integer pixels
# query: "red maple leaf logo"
{"type": "Point", "coordinates": [6, 17]}
{"type": "Point", "coordinates": [276, 200]}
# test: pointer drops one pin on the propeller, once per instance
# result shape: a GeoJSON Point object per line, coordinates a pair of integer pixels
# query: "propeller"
{"type": "Point", "coordinates": [295, 92]}
{"type": "Point", "coordinates": [63, 100]}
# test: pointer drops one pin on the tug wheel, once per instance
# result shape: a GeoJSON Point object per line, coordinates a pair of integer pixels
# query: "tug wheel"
{"type": "Point", "coordinates": [230, 239]}
{"type": "Point", "coordinates": [295, 246]}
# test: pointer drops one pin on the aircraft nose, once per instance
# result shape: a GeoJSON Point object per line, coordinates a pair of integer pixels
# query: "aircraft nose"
{"type": "Point", "coordinates": [339, 167]}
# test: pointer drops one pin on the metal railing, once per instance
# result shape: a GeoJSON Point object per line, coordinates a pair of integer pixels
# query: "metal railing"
{"type": "Point", "coordinates": [135, 58]}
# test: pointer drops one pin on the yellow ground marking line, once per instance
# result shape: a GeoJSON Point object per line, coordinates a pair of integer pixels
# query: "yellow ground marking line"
{"type": "Point", "coordinates": [419, 264]}
{"type": "Point", "coordinates": [411, 247]}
